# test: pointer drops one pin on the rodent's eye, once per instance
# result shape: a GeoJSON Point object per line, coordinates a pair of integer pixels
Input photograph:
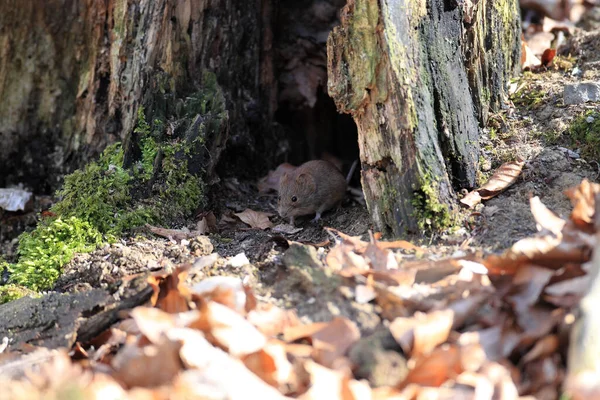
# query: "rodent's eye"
{"type": "Point", "coordinates": [278, 198]}
{"type": "Point", "coordinates": [294, 199]}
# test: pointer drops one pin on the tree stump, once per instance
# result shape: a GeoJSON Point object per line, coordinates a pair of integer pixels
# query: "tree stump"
{"type": "Point", "coordinates": [419, 79]}
{"type": "Point", "coordinates": [73, 74]}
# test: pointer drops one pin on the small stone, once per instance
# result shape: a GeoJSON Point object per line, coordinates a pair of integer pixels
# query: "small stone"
{"type": "Point", "coordinates": [201, 246]}
{"type": "Point", "coordinates": [589, 119]}
{"type": "Point", "coordinates": [576, 72]}
{"type": "Point", "coordinates": [238, 261]}
{"type": "Point", "coordinates": [577, 93]}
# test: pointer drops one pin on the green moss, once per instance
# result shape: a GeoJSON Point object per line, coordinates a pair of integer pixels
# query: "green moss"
{"type": "Point", "coordinates": [529, 97]}
{"type": "Point", "coordinates": [431, 214]}
{"type": "Point", "coordinates": [12, 292]}
{"type": "Point", "coordinates": [148, 145]}
{"type": "Point", "coordinates": [43, 252]}
{"type": "Point", "coordinates": [182, 191]}
{"type": "Point", "coordinates": [584, 134]}
{"type": "Point", "coordinates": [100, 195]}
{"type": "Point", "coordinates": [106, 199]}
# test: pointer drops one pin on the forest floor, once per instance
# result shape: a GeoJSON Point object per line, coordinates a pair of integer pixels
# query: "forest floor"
{"type": "Point", "coordinates": [391, 323]}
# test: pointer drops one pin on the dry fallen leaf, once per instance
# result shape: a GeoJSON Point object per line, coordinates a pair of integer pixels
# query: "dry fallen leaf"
{"type": "Point", "coordinates": [227, 290]}
{"type": "Point", "coordinates": [422, 333]}
{"type": "Point", "coordinates": [437, 367]}
{"type": "Point", "coordinates": [548, 56]}
{"type": "Point", "coordinates": [256, 219]}
{"type": "Point", "coordinates": [528, 59]}
{"type": "Point", "coordinates": [272, 320]}
{"type": "Point", "coordinates": [271, 181]}
{"type": "Point", "coordinates": [170, 293]}
{"type": "Point", "coordinates": [229, 330]}
{"type": "Point", "coordinates": [583, 199]}
{"type": "Point", "coordinates": [504, 176]}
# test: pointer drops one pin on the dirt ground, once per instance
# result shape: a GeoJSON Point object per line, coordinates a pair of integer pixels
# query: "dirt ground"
{"type": "Point", "coordinates": [494, 226]}
{"type": "Point", "coordinates": [522, 130]}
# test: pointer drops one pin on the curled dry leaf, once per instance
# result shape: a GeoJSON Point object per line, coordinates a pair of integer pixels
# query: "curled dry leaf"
{"type": "Point", "coordinates": [357, 244]}
{"type": "Point", "coordinates": [422, 333]}
{"type": "Point", "coordinates": [286, 228]}
{"type": "Point", "coordinates": [229, 330]}
{"type": "Point", "coordinates": [147, 366]}
{"type": "Point", "coordinates": [528, 59]}
{"type": "Point", "coordinates": [170, 293]}
{"type": "Point", "coordinates": [544, 218]}
{"type": "Point", "coordinates": [583, 199]}
{"type": "Point", "coordinates": [271, 364]}
{"type": "Point", "coordinates": [548, 56]}
{"type": "Point", "coordinates": [504, 176]}
{"type": "Point", "coordinates": [329, 384]}
{"type": "Point", "coordinates": [542, 348]}
{"type": "Point", "coordinates": [272, 320]}
{"type": "Point", "coordinates": [256, 219]}
{"type": "Point", "coordinates": [330, 340]}
{"type": "Point", "coordinates": [271, 181]}
{"type": "Point", "coordinates": [214, 372]}
{"type": "Point", "coordinates": [227, 290]}
{"type": "Point", "coordinates": [174, 234]}
{"type": "Point", "coordinates": [437, 367]}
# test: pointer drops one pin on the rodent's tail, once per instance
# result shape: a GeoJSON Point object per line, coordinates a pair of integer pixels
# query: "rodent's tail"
{"type": "Point", "coordinates": [351, 172]}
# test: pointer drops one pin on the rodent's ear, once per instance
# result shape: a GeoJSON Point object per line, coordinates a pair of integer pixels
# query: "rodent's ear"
{"type": "Point", "coordinates": [284, 178]}
{"type": "Point", "coordinates": [306, 181]}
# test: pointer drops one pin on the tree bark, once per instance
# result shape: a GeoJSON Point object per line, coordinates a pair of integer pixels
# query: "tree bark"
{"type": "Point", "coordinates": [73, 74]}
{"type": "Point", "coordinates": [419, 79]}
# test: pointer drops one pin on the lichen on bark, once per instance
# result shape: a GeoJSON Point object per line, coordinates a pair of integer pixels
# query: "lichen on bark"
{"type": "Point", "coordinates": [408, 88]}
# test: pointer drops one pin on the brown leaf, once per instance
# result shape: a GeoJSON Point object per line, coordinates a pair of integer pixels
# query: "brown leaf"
{"type": "Point", "coordinates": [342, 258]}
{"type": "Point", "coordinates": [229, 330]}
{"type": "Point", "coordinates": [293, 333]}
{"type": "Point", "coordinates": [422, 333]}
{"type": "Point", "coordinates": [227, 290]}
{"type": "Point", "coordinates": [173, 234]}
{"type": "Point", "coordinates": [583, 199]}
{"type": "Point", "coordinates": [170, 292]}
{"type": "Point", "coordinates": [213, 372]}
{"type": "Point", "coordinates": [545, 218]}
{"type": "Point", "coordinates": [256, 219]}
{"type": "Point", "coordinates": [530, 281]}
{"type": "Point", "coordinates": [272, 320]}
{"type": "Point", "coordinates": [270, 364]}
{"type": "Point", "coordinates": [471, 199]}
{"type": "Point", "coordinates": [334, 340]}
{"type": "Point", "coordinates": [148, 366]}
{"type": "Point", "coordinates": [436, 368]}
{"type": "Point", "coordinates": [542, 348]}
{"type": "Point", "coordinates": [329, 384]}
{"type": "Point", "coordinates": [504, 176]}
{"type": "Point", "coordinates": [271, 181]}
{"type": "Point", "coordinates": [528, 59]}
{"type": "Point", "coordinates": [399, 244]}
{"type": "Point", "coordinates": [548, 251]}
{"type": "Point", "coordinates": [357, 244]}
{"type": "Point", "coordinates": [548, 56]}
{"type": "Point", "coordinates": [380, 259]}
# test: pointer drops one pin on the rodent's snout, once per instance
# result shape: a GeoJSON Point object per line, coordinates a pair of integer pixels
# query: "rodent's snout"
{"type": "Point", "coordinates": [283, 211]}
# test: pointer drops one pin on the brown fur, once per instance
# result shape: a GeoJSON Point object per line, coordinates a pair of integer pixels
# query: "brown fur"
{"type": "Point", "coordinates": [317, 185]}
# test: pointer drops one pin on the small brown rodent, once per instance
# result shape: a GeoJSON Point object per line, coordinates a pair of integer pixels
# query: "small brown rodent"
{"type": "Point", "coordinates": [313, 187]}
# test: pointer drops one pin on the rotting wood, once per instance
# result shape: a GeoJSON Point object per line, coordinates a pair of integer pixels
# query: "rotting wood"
{"type": "Point", "coordinates": [419, 79]}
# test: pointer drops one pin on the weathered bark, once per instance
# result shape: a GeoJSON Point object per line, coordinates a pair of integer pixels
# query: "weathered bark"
{"type": "Point", "coordinates": [74, 72]}
{"type": "Point", "coordinates": [419, 79]}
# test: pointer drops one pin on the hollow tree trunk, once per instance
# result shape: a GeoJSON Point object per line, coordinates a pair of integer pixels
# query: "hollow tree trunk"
{"type": "Point", "coordinates": [73, 74]}
{"type": "Point", "coordinates": [419, 79]}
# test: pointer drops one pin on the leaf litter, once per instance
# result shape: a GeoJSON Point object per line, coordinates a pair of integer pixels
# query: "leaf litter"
{"type": "Point", "coordinates": [466, 327]}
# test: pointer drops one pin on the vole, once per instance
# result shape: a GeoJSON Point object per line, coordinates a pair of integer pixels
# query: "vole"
{"type": "Point", "coordinates": [313, 187]}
